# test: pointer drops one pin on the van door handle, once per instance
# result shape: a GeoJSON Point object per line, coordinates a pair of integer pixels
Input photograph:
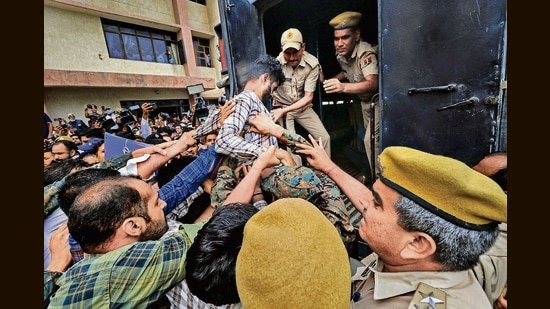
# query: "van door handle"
{"type": "Point", "coordinates": [449, 87]}
{"type": "Point", "coordinates": [470, 101]}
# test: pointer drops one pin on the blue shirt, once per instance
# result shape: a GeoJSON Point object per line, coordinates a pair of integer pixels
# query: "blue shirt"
{"type": "Point", "coordinates": [188, 179]}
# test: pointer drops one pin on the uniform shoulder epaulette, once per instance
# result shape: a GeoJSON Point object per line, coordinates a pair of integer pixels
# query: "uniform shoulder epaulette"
{"type": "Point", "coordinates": [428, 297]}
{"type": "Point", "coordinates": [310, 59]}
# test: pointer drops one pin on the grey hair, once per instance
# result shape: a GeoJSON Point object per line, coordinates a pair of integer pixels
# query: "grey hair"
{"type": "Point", "coordinates": [457, 248]}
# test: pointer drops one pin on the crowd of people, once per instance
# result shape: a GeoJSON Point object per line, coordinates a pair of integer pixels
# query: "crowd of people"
{"type": "Point", "coordinates": [241, 211]}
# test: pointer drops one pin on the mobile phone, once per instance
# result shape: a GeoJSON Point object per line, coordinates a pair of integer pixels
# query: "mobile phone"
{"type": "Point", "coordinates": [153, 105]}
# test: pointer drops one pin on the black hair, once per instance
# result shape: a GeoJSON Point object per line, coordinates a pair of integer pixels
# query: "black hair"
{"type": "Point", "coordinates": [501, 178]}
{"type": "Point", "coordinates": [266, 64]}
{"type": "Point", "coordinates": [211, 259]}
{"type": "Point", "coordinates": [76, 182]}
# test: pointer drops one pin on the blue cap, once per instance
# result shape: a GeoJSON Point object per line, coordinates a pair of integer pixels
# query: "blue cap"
{"type": "Point", "coordinates": [89, 145]}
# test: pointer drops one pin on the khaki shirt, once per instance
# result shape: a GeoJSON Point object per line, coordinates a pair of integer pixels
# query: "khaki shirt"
{"type": "Point", "coordinates": [303, 78]}
{"type": "Point", "coordinates": [363, 62]}
{"type": "Point", "coordinates": [396, 290]}
{"type": "Point", "coordinates": [492, 269]}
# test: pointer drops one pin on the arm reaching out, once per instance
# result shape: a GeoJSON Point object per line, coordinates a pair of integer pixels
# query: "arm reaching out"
{"type": "Point", "coordinates": [245, 189]}
{"type": "Point", "coordinates": [317, 157]}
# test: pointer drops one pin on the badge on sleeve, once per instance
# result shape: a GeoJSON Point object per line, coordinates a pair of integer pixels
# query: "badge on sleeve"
{"type": "Point", "coordinates": [428, 297]}
{"type": "Point", "coordinates": [367, 60]}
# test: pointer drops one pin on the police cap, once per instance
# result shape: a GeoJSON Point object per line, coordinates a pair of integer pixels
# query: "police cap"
{"type": "Point", "coordinates": [345, 20]}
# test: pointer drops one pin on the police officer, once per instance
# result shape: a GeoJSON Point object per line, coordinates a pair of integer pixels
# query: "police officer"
{"type": "Point", "coordinates": [293, 98]}
{"type": "Point", "coordinates": [359, 62]}
{"type": "Point", "coordinates": [428, 219]}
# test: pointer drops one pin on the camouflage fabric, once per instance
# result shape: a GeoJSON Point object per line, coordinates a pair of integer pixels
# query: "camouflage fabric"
{"type": "Point", "coordinates": [292, 181]}
{"type": "Point", "coordinates": [224, 183]}
{"type": "Point", "coordinates": [116, 162]}
{"type": "Point", "coordinates": [319, 189]}
{"type": "Point", "coordinates": [333, 203]}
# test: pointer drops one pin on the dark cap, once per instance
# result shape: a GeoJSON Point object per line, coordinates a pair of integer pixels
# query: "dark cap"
{"type": "Point", "coordinates": [89, 146]}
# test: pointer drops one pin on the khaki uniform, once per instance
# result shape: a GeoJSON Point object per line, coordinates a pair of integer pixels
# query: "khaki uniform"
{"type": "Point", "coordinates": [363, 62]}
{"type": "Point", "coordinates": [415, 289]}
{"type": "Point", "coordinates": [303, 78]}
{"type": "Point", "coordinates": [492, 269]}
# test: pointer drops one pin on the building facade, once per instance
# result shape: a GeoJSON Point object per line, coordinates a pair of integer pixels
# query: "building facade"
{"type": "Point", "coordinates": [119, 54]}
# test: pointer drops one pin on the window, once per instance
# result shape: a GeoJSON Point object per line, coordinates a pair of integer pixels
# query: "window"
{"type": "Point", "coordinates": [126, 41]}
{"type": "Point", "coordinates": [202, 52]}
{"type": "Point", "coordinates": [203, 2]}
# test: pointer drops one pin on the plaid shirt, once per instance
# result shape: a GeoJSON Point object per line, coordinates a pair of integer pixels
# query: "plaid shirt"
{"type": "Point", "coordinates": [235, 138]}
{"type": "Point", "coordinates": [133, 276]}
{"type": "Point", "coordinates": [183, 208]}
{"type": "Point", "coordinates": [180, 297]}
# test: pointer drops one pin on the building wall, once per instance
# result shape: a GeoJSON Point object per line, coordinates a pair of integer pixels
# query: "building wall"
{"type": "Point", "coordinates": [77, 67]}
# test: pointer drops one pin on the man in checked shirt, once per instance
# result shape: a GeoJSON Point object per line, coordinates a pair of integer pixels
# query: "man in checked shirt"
{"type": "Point", "coordinates": [240, 143]}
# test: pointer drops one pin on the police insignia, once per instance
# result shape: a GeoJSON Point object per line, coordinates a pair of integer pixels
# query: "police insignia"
{"type": "Point", "coordinates": [428, 297]}
{"type": "Point", "coordinates": [367, 60]}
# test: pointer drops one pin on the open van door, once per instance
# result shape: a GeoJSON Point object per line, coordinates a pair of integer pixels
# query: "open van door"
{"type": "Point", "coordinates": [243, 39]}
{"type": "Point", "coordinates": [442, 76]}
{"type": "Point", "coordinates": [442, 66]}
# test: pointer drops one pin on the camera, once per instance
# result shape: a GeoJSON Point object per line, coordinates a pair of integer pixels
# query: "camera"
{"type": "Point", "coordinates": [57, 119]}
{"type": "Point", "coordinates": [201, 111]}
{"type": "Point", "coordinates": [221, 100]}
{"type": "Point", "coordinates": [154, 105]}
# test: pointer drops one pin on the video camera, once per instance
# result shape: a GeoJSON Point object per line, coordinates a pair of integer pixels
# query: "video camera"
{"type": "Point", "coordinates": [201, 110]}
{"type": "Point", "coordinates": [108, 119]}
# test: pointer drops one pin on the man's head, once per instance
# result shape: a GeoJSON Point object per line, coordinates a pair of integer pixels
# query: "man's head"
{"type": "Point", "coordinates": [346, 32]}
{"type": "Point", "coordinates": [64, 149]}
{"type": "Point", "coordinates": [211, 259]}
{"type": "Point", "coordinates": [210, 138]}
{"type": "Point", "coordinates": [267, 74]}
{"type": "Point", "coordinates": [427, 208]}
{"type": "Point", "coordinates": [59, 169]}
{"type": "Point", "coordinates": [77, 181]}
{"type": "Point", "coordinates": [76, 139]}
{"type": "Point", "coordinates": [116, 212]}
{"type": "Point", "coordinates": [293, 46]}
{"type": "Point", "coordinates": [292, 257]}
{"type": "Point", "coordinates": [89, 151]}
{"type": "Point", "coordinates": [48, 156]}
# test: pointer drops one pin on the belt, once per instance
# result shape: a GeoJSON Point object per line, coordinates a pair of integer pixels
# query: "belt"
{"type": "Point", "coordinates": [279, 103]}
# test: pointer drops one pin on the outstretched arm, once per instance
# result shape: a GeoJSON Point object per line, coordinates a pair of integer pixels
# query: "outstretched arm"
{"type": "Point", "coordinates": [263, 124]}
{"type": "Point", "coordinates": [317, 157]}
{"type": "Point", "coordinates": [244, 191]}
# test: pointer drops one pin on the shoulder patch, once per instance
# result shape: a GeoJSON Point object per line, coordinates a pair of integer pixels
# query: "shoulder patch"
{"type": "Point", "coordinates": [428, 297]}
{"type": "Point", "coordinates": [367, 60]}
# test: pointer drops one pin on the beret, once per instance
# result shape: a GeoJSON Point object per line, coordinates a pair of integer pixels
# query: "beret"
{"type": "Point", "coordinates": [64, 138]}
{"type": "Point", "coordinates": [345, 20]}
{"type": "Point", "coordinates": [292, 257]}
{"type": "Point", "coordinates": [291, 38]}
{"type": "Point", "coordinates": [444, 186]}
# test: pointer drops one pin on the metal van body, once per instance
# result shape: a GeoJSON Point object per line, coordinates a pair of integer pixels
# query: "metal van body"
{"type": "Point", "coordinates": [442, 65]}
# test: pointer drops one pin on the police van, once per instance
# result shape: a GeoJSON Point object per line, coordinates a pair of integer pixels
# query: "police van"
{"type": "Point", "coordinates": [442, 67]}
